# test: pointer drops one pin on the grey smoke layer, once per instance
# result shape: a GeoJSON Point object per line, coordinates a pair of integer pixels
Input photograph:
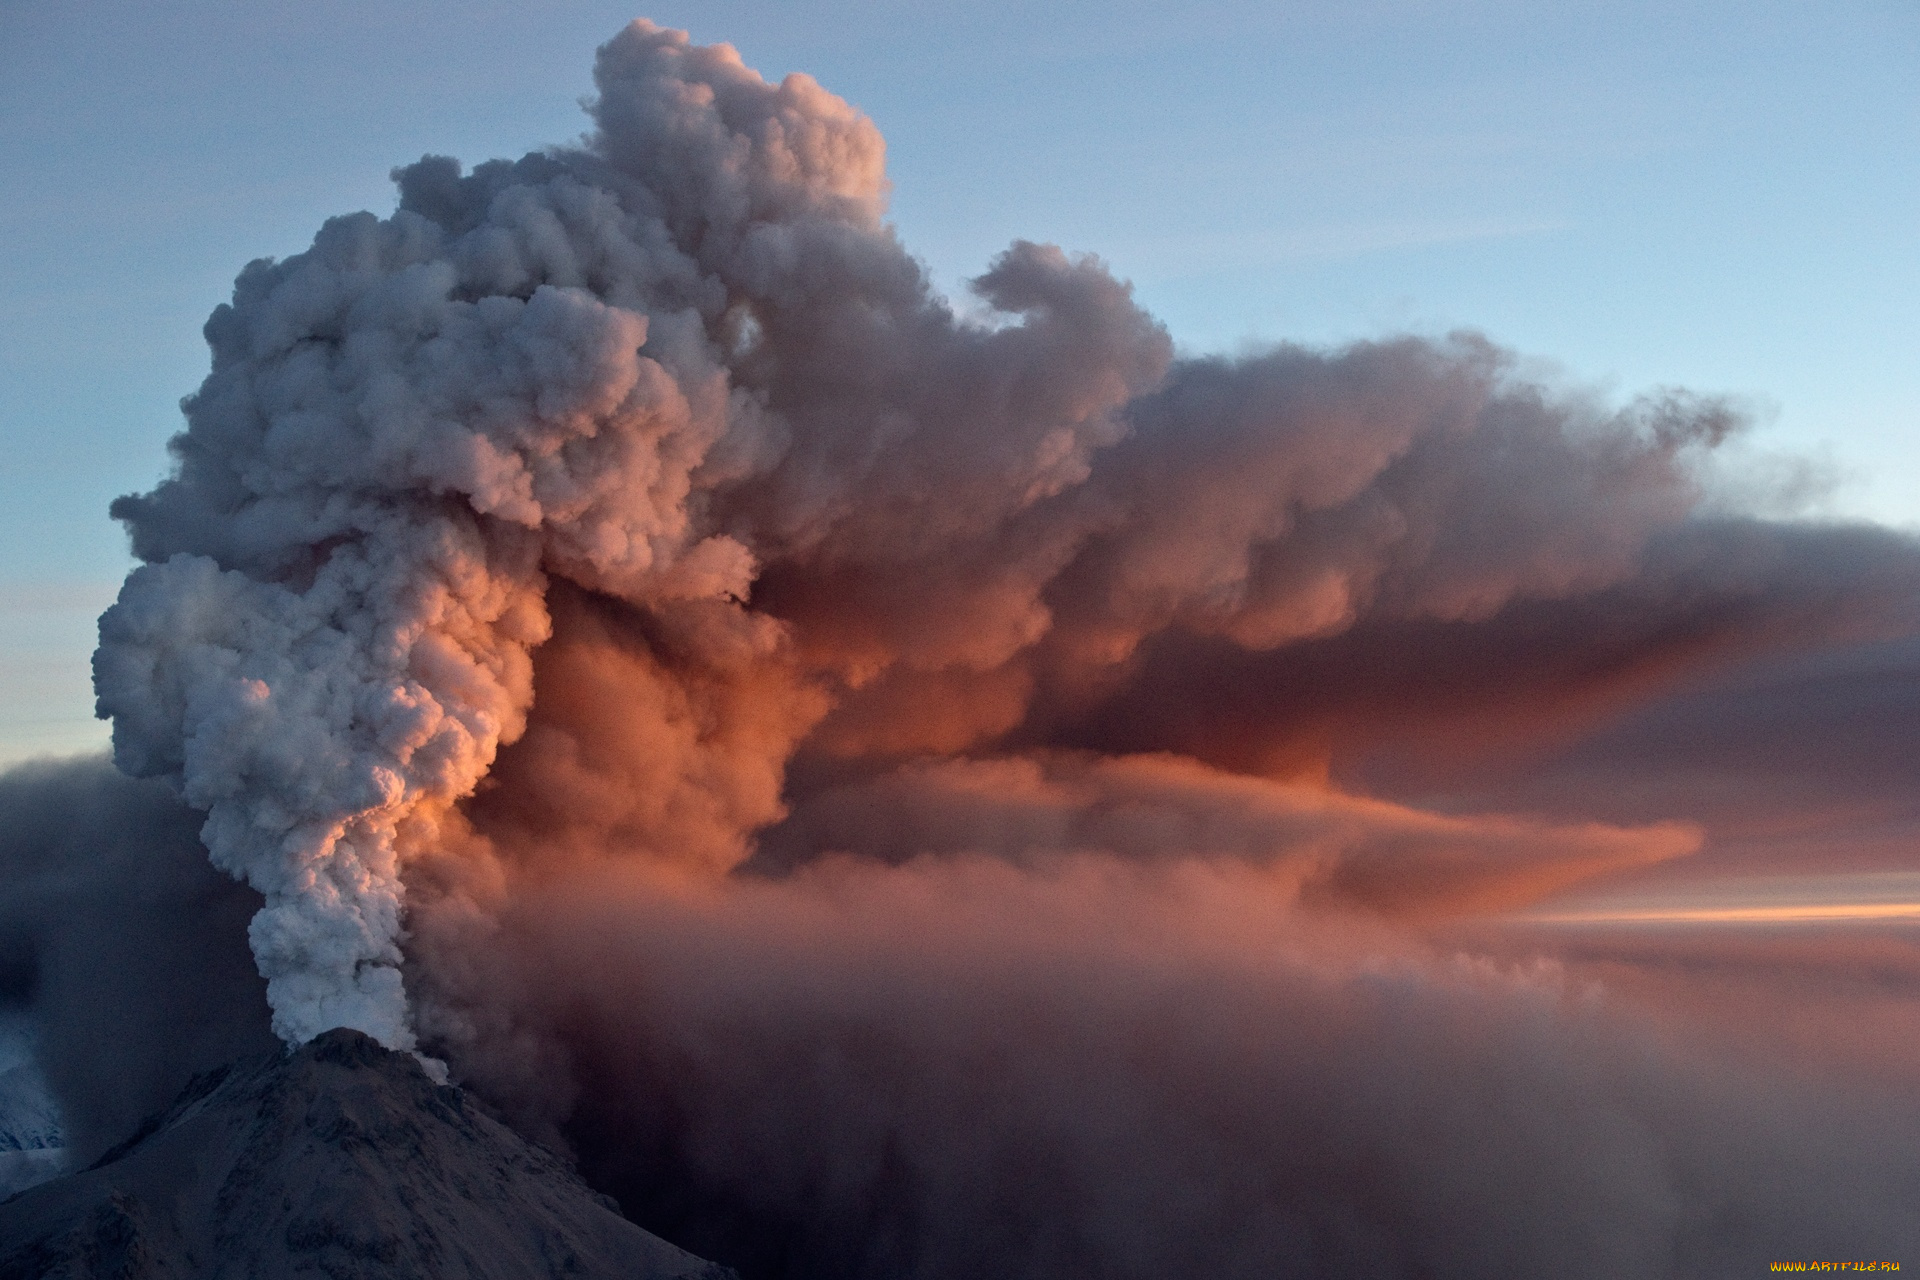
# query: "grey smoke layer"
{"type": "Point", "coordinates": [969, 1066]}
{"type": "Point", "coordinates": [963, 1073]}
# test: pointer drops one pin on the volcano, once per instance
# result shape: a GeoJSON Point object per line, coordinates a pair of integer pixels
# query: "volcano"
{"type": "Point", "coordinates": [340, 1159]}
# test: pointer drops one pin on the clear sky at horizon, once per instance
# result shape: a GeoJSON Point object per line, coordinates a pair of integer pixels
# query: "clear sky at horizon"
{"type": "Point", "coordinates": [1717, 196]}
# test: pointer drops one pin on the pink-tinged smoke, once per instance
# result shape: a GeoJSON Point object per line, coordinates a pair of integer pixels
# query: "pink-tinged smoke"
{"type": "Point", "coordinates": [905, 794]}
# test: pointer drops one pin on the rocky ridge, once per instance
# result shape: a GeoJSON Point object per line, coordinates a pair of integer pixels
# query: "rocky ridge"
{"type": "Point", "coordinates": [339, 1159]}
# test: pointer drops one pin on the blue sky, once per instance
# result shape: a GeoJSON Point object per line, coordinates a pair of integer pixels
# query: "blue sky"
{"type": "Point", "coordinates": [1713, 195]}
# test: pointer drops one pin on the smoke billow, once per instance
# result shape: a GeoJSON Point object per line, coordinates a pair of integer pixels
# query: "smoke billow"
{"type": "Point", "coordinates": [903, 793]}
{"type": "Point", "coordinates": [128, 949]}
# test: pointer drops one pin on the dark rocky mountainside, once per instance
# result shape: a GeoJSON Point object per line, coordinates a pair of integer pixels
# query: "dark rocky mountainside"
{"type": "Point", "coordinates": [341, 1159]}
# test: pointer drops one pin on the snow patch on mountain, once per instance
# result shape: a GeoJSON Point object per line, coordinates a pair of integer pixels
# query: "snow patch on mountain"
{"type": "Point", "coordinates": [31, 1135]}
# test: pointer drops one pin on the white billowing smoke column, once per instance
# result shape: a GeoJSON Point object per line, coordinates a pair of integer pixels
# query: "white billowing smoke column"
{"type": "Point", "coordinates": [524, 372]}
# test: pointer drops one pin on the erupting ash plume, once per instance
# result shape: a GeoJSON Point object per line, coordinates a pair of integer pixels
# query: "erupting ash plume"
{"type": "Point", "coordinates": [645, 646]}
{"type": "Point", "coordinates": [691, 355]}
{"type": "Point", "coordinates": [407, 430]}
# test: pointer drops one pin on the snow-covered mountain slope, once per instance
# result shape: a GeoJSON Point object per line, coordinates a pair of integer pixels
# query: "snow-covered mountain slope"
{"type": "Point", "coordinates": [340, 1159]}
{"type": "Point", "coordinates": [29, 1120]}
{"type": "Point", "coordinates": [31, 1136]}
